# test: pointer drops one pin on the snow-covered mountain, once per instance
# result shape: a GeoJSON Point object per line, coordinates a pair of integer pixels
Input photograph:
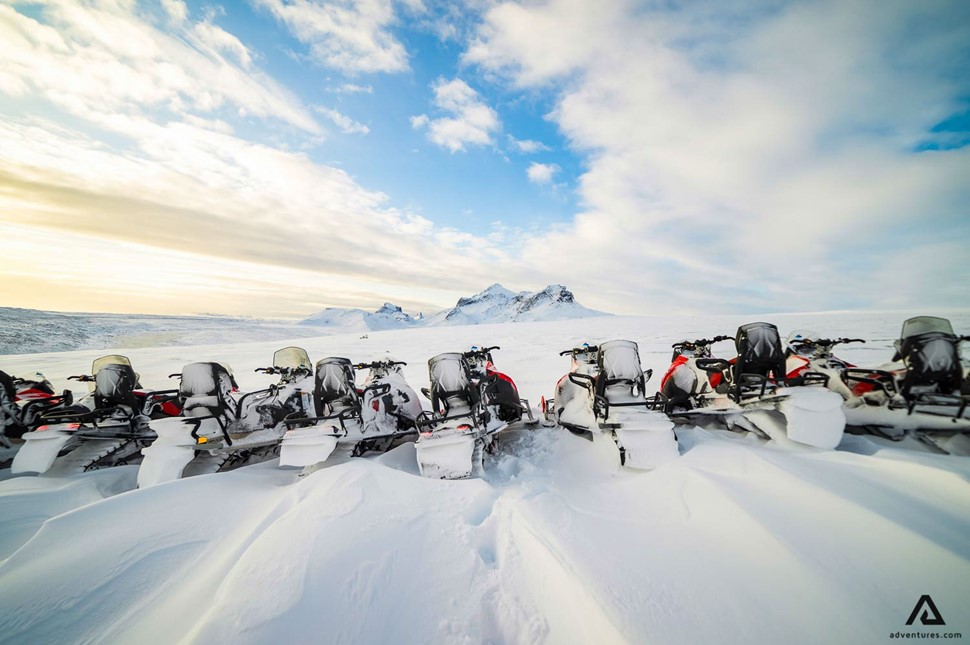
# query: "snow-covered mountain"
{"type": "Point", "coordinates": [389, 316]}
{"type": "Point", "coordinates": [497, 305]}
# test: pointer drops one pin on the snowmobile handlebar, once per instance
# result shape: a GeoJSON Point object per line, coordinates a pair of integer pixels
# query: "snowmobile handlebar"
{"type": "Point", "coordinates": [585, 349]}
{"type": "Point", "coordinates": [377, 364]}
{"type": "Point", "coordinates": [480, 351]}
{"type": "Point", "coordinates": [84, 378]}
{"type": "Point", "coordinates": [825, 342]}
{"type": "Point", "coordinates": [700, 342]}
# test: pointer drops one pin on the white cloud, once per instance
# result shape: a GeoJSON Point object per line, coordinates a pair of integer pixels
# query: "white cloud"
{"type": "Point", "coordinates": [101, 61]}
{"type": "Point", "coordinates": [348, 35]}
{"type": "Point", "coordinates": [776, 141]}
{"type": "Point", "coordinates": [218, 40]}
{"type": "Point", "coordinates": [352, 88]}
{"type": "Point", "coordinates": [176, 10]}
{"type": "Point", "coordinates": [470, 120]}
{"type": "Point", "coordinates": [527, 146]}
{"type": "Point", "coordinates": [541, 173]}
{"type": "Point", "coordinates": [342, 121]}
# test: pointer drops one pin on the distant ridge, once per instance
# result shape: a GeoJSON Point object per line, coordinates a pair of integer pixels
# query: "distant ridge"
{"type": "Point", "coordinates": [496, 304]}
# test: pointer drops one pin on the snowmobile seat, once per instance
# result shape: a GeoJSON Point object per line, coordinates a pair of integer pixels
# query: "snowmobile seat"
{"type": "Point", "coordinates": [334, 388]}
{"type": "Point", "coordinates": [114, 385]}
{"type": "Point", "coordinates": [451, 383]}
{"type": "Point", "coordinates": [932, 362]}
{"type": "Point", "coordinates": [619, 367]}
{"type": "Point", "coordinates": [759, 351]}
{"type": "Point", "coordinates": [205, 390]}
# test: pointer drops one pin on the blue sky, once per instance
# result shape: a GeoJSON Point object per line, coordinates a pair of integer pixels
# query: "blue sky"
{"type": "Point", "coordinates": [273, 157]}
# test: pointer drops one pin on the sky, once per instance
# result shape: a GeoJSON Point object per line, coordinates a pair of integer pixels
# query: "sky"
{"type": "Point", "coordinates": [276, 157]}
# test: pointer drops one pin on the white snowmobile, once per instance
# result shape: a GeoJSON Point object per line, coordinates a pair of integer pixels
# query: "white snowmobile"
{"type": "Point", "coordinates": [373, 418]}
{"type": "Point", "coordinates": [924, 392]}
{"type": "Point", "coordinates": [751, 392]}
{"type": "Point", "coordinates": [220, 428]}
{"type": "Point", "coordinates": [471, 402]}
{"type": "Point", "coordinates": [109, 427]}
{"type": "Point", "coordinates": [604, 394]}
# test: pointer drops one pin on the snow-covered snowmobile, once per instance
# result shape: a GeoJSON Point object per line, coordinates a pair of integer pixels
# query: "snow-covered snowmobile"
{"type": "Point", "coordinates": [808, 353]}
{"type": "Point", "coordinates": [108, 427]}
{"type": "Point", "coordinates": [22, 402]}
{"type": "Point", "coordinates": [471, 402]}
{"type": "Point", "coordinates": [372, 418]}
{"type": "Point", "coordinates": [924, 391]}
{"type": "Point", "coordinates": [751, 392]}
{"type": "Point", "coordinates": [221, 428]}
{"type": "Point", "coordinates": [604, 393]}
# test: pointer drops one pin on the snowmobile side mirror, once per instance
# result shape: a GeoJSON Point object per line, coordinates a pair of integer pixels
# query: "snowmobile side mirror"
{"type": "Point", "coordinates": [426, 392]}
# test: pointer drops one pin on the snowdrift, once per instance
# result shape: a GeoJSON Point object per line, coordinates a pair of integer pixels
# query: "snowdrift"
{"type": "Point", "coordinates": [738, 541]}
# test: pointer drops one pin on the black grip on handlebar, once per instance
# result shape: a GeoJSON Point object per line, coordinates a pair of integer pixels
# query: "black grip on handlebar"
{"type": "Point", "coordinates": [179, 374]}
{"type": "Point", "coordinates": [74, 378]}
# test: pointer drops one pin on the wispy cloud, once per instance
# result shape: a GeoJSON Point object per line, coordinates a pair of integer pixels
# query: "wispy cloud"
{"type": "Point", "coordinates": [353, 88]}
{"type": "Point", "coordinates": [342, 121]}
{"type": "Point", "coordinates": [104, 62]}
{"type": "Point", "coordinates": [469, 122]}
{"type": "Point", "coordinates": [527, 146]}
{"type": "Point", "coordinates": [348, 35]}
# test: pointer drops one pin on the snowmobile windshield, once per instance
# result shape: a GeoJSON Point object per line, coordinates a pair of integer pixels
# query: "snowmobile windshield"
{"type": "Point", "coordinates": [925, 324]}
{"type": "Point", "coordinates": [113, 359]}
{"type": "Point", "coordinates": [759, 350]}
{"type": "Point", "coordinates": [619, 359]}
{"type": "Point", "coordinates": [114, 383]}
{"type": "Point", "coordinates": [448, 372]}
{"type": "Point", "coordinates": [335, 376]}
{"type": "Point", "coordinates": [293, 358]}
{"type": "Point", "coordinates": [205, 379]}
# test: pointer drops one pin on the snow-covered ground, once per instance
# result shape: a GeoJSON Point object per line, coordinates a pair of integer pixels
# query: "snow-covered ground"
{"type": "Point", "coordinates": [737, 541]}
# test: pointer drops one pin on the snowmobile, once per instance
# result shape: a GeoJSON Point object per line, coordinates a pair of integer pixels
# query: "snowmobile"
{"type": "Point", "coordinates": [923, 392]}
{"type": "Point", "coordinates": [471, 401]}
{"type": "Point", "coordinates": [751, 392]}
{"type": "Point", "coordinates": [22, 402]}
{"type": "Point", "coordinates": [109, 427]}
{"type": "Point", "coordinates": [221, 428]}
{"type": "Point", "coordinates": [807, 352]}
{"type": "Point", "coordinates": [604, 393]}
{"type": "Point", "coordinates": [373, 418]}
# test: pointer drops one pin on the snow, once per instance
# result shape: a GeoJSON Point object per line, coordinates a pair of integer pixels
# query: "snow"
{"type": "Point", "coordinates": [736, 541]}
